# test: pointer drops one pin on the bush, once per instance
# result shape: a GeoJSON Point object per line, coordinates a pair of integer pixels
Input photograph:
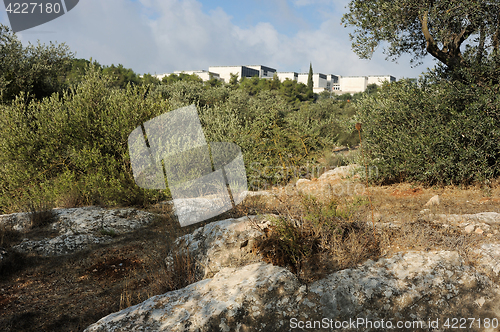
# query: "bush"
{"type": "Point", "coordinates": [74, 148]}
{"type": "Point", "coordinates": [71, 149]}
{"type": "Point", "coordinates": [41, 215]}
{"type": "Point", "coordinates": [435, 131]}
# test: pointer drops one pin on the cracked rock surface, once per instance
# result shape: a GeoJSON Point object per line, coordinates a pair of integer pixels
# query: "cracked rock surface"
{"type": "Point", "coordinates": [409, 286]}
{"type": "Point", "coordinates": [78, 228]}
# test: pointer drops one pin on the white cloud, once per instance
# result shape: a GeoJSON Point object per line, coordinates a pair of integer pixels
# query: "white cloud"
{"type": "Point", "coordinates": [166, 35]}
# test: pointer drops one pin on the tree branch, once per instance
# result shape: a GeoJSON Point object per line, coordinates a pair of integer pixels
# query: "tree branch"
{"type": "Point", "coordinates": [431, 45]}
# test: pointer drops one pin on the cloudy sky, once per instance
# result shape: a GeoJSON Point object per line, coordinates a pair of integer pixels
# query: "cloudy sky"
{"type": "Point", "coordinates": [160, 36]}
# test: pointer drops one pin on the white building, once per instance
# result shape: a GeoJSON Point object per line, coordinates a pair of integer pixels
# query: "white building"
{"type": "Point", "coordinates": [321, 82]}
{"type": "Point", "coordinates": [203, 74]}
{"type": "Point", "coordinates": [292, 76]}
{"type": "Point", "coordinates": [264, 72]}
{"type": "Point", "coordinates": [226, 71]}
{"type": "Point", "coordinates": [354, 84]}
{"type": "Point", "coordinates": [380, 79]}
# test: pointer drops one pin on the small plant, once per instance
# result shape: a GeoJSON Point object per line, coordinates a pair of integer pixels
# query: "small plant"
{"type": "Point", "coordinates": [313, 237]}
{"type": "Point", "coordinates": [180, 270]}
{"type": "Point", "coordinates": [41, 215]}
{"type": "Point", "coordinates": [108, 232]}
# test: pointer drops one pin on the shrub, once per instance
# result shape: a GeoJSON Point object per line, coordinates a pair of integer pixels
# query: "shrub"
{"type": "Point", "coordinates": [74, 146]}
{"type": "Point", "coordinates": [71, 150]}
{"type": "Point", "coordinates": [315, 237]}
{"type": "Point", "coordinates": [41, 215]}
{"type": "Point", "coordinates": [435, 131]}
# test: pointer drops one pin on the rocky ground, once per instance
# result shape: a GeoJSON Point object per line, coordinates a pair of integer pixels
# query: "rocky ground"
{"type": "Point", "coordinates": [439, 260]}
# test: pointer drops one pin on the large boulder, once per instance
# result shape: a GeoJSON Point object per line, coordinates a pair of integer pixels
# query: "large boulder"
{"type": "Point", "coordinates": [427, 288]}
{"type": "Point", "coordinates": [417, 288]}
{"type": "Point", "coordinates": [224, 243]}
{"type": "Point", "coordinates": [336, 182]}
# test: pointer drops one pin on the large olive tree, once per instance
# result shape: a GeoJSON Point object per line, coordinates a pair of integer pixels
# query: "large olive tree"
{"type": "Point", "coordinates": [420, 27]}
{"type": "Point", "coordinates": [37, 70]}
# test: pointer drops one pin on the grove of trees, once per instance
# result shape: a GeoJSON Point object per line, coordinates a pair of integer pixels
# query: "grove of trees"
{"type": "Point", "coordinates": [64, 129]}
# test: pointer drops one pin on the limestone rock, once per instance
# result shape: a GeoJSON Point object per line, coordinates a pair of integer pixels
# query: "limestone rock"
{"type": "Point", "coordinates": [490, 218]}
{"type": "Point", "coordinates": [478, 222]}
{"type": "Point", "coordinates": [341, 172]}
{"type": "Point", "coordinates": [78, 228]}
{"type": "Point", "coordinates": [411, 286]}
{"type": "Point", "coordinates": [469, 228]}
{"type": "Point", "coordinates": [332, 183]}
{"type": "Point", "coordinates": [301, 184]}
{"type": "Point", "coordinates": [224, 243]}
{"type": "Point", "coordinates": [16, 221]}
{"type": "Point", "coordinates": [433, 201]}
{"type": "Point", "coordinates": [490, 259]}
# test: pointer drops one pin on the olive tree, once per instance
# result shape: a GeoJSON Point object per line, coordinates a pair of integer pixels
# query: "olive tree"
{"type": "Point", "coordinates": [38, 71]}
{"type": "Point", "coordinates": [420, 27]}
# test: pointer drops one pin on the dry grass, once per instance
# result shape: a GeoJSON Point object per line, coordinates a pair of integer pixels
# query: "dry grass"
{"type": "Point", "coordinates": [40, 214]}
{"type": "Point", "coordinates": [309, 236]}
{"type": "Point", "coordinates": [68, 293]}
{"type": "Point", "coordinates": [315, 237]}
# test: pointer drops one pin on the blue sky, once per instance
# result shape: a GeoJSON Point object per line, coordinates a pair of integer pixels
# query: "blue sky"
{"type": "Point", "coordinates": [160, 36]}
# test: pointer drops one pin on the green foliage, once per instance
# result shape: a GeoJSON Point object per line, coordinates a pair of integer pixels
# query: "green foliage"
{"type": "Point", "coordinates": [233, 81]}
{"type": "Point", "coordinates": [121, 76]}
{"type": "Point", "coordinates": [150, 79]}
{"type": "Point", "coordinates": [108, 232]}
{"type": "Point", "coordinates": [77, 72]}
{"type": "Point", "coordinates": [420, 27]}
{"type": "Point", "coordinates": [275, 136]}
{"type": "Point", "coordinates": [172, 78]}
{"type": "Point", "coordinates": [38, 71]}
{"type": "Point", "coordinates": [436, 131]}
{"type": "Point", "coordinates": [295, 93]}
{"type": "Point", "coordinates": [74, 145]}
{"type": "Point", "coordinates": [71, 149]}
{"type": "Point", "coordinates": [371, 88]}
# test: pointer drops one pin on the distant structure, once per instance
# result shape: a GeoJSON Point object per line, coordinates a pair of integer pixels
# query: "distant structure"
{"type": "Point", "coordinates": [203, 74]}
{"type": "Point", "coordinates": [321, 82]}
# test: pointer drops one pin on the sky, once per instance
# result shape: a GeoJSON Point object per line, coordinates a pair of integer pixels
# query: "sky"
{"type": "Point", "coordinates": [161, 36]}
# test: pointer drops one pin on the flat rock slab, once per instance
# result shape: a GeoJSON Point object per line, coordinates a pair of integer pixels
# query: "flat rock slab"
{"type": "Point", "coordinates": [408, 287]}
{"type": "Point", "coordinates": [489, 262]}
{"type": "Point", "coordinates": [77, 228]}
{"type": "Point", "coordinates": [490, 218]}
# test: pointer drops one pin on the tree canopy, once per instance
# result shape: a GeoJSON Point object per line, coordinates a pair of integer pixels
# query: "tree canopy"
{"type": "Point", "coordinates": [420, 27]}
{"type": "Point", "coordinates": [38, 71]}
